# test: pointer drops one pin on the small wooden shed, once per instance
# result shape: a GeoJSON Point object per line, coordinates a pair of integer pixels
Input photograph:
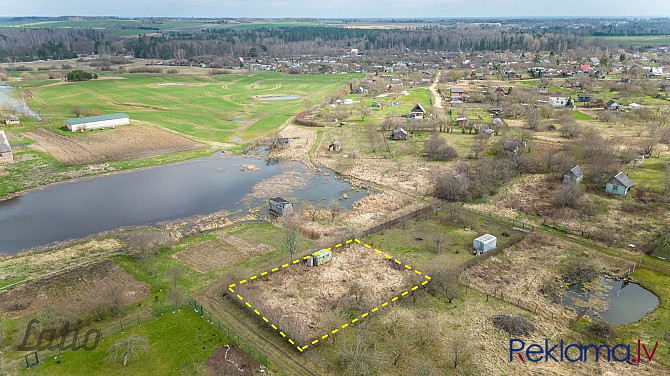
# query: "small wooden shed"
{"type": "Point", "coordinates": [280, 206]}
{"type": "Point", "coordinates": [574, 175]}
{"type": "Point", "coordinates": [619, 184]}
{"type": "Point", "coordinates": [319, 258]}
{"type": "Point", "coordinates": [484, 243]}
{"type": "Point", "coordinates": [399, 134]}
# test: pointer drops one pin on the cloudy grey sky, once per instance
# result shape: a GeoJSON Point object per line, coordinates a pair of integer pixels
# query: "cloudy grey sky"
{"type": "Point", "coordinates": [334, 8]}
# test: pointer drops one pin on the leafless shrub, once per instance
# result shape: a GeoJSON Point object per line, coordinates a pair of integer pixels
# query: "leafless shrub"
{"type": "Point", "coordinates": [514, 325]}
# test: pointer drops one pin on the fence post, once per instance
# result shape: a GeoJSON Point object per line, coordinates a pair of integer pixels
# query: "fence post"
{"type": "Point", "coordinates": [121, 322]}
{"type": "Point", "coordinates": [138, 321]}
{"type": "Point", "coordinates": [37, 358]}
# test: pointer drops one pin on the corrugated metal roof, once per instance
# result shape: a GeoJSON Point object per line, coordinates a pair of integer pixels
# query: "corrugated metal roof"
{"type": "Point", "coordinates": [577, 171]}
{"type": "Point", "coordinates": [624, 180]}
{"type": "Point", "coordinates": [4, 143]}
{"type": "Point", "coordinates": [90, 119]}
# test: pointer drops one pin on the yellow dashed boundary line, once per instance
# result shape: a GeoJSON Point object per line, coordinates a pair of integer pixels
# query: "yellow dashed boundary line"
{"type": "Point", "coordinates": [343, 326]}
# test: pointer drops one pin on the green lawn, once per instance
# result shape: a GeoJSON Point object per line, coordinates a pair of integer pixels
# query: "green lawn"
{"type": "Point", "coordinates": [178, 340]}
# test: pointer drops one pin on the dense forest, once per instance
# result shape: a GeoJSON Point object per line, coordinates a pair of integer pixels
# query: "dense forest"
{"type": "Point", "coordinates": [508, 35]}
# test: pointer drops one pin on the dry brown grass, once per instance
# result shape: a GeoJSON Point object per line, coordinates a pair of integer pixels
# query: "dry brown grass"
{"type": "Point", "coordinates": [120, 144]}
{"type": "Point", "coordinates": [304, 300]}
{"type": "Point", "coordinates": [216, 254]}
{"type": "Point", "coordinates": [75, 288]}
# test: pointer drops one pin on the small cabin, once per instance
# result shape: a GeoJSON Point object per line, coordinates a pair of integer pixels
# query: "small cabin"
{"type": "Point", "coordinates": [484, 243]}
{"type": "Point", "coordinates": [279, 206]}
{"type": "Point", "coordinates": [319, 258]}
{"type": "Point", "coordinates": [574, 175]}
{"type": "Point", "coordinates": [399, 134]}
{"type": "Point", "coordinates": [335, 147]}
{"type": "Point", "coordinates": [619, 184]}
{"type": "Point", "coordinates": [543, 89]}
{"type": "Point", "coordinates": [281, 142]}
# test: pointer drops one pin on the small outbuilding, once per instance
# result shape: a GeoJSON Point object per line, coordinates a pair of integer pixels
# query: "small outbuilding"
{"type": "Point", "coordinates": [462, 121]}
{"type": "Point", "coordinates": [97, 122]}
{"type": "Point", "coordinates": [399, 134]}
{"type": "Point", "coordinates": [10, 119]}
{"type": "Point", "coordinates": [574, 175]}
{"type": "Point", "coordinates": [6, 155]}
{"type": "Point", "coordinates": [319, 258]}
{"type": "Point", "coordinates": [335, 146]}
{"type": "Point", "coordinates": [484, 243]}
{"type": "Point", "coordinates": [619, 184]}
{"type": "Point", "coordinates": [280, 206]}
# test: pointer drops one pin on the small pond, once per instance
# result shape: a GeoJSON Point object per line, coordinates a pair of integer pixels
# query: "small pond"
{"type": "Point", "coordinates": [611, 300]}
{"type": "Point", "coordinates": [204, 186]}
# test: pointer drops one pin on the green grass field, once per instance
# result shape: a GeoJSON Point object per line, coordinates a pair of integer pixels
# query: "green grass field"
{"type": "Point", "coordinates": [206, 108]}
{"type": "Point", "coordinates": [177, 341]}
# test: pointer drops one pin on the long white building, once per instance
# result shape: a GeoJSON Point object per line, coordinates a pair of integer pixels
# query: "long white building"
{"type": "Point", "coordinates": [97, 122]}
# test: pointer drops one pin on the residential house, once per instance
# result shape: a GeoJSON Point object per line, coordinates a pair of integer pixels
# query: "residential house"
{"type": "Point", "coordinates": [619, 184]}
{"type": "Point", "coordinates": [10, 119]}
{"type": "Point", "coordinates": [456, 94]}
{"type": "Point", "coordinates": [462, 122]}
{"type": "Point", "coordinates": [574, 175]}
{"type": "Point", "coordinates": [558, 101]}
{"type": "Point", "coordinates": [417, 112]}
{"type": "Point", "coordinates": [513, 76]}
{"type": "Point", "coordinates": [542, 89]}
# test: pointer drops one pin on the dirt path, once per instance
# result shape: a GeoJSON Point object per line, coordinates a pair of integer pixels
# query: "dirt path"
{"type": "Point", "coordinates": [286, 359]}
{"type": "Point", "coordinates": [433, 89]}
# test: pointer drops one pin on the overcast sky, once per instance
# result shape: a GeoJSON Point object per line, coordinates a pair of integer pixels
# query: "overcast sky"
{"type": "Point", "coordinates": [334, 8]}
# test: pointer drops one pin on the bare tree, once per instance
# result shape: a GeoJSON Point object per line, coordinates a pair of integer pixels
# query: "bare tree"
{"type": "Point", "coordinates": [438, 239]}
{"type": "Point", "coordinates": [176, 296]}
{"type": "Point", "coordinates": [436, 147]}
{"type": "Point", "coordinates": [569, 195]}
{"type": "Point", "coordinates": [534, 119]}
{"type": "Point", "coordinates": [175, 274]}
{"type": "Point", "coordinates": [77, 111]}
{"type": "Point", "coordinates": [444, 282]}
{"type": "Point", "coordinates": [291, 235]}
{"type": "Point", "coordinates": [127, 349]}
{"type": "Point", "coordinates": [312, 210]}
{"type": "Point", "coordinates": [335, 210]}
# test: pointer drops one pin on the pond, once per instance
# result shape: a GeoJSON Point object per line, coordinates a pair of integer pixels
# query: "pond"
{"type": "Point", "coordinates": [278, 98]}
{"type": "Point", "coordinates": [611, 300]}
{"type": "Point", "coordinates": [204, 186]}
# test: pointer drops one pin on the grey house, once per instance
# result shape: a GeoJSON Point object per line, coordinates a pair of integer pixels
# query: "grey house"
{"type": "Point", "coordinates": [619, 184]}
{"type": "Point", "coordinates": [574, 175]}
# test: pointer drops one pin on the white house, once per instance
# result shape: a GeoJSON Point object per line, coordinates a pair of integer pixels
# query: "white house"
{"type": "Point", "coordinates": [558, 101]}
{"type": "Point", "coordinates": [97, 122]}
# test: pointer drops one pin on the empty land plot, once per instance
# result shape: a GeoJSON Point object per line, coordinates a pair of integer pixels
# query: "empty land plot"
{"type": "Point", "coordinates": [307, 302]}
{"type": "Point", "coordinates": [120, 144]}
{"type": "Point", "coordinates": [219, 253]}
{"type": "Point", "coordinates": [72, 289]}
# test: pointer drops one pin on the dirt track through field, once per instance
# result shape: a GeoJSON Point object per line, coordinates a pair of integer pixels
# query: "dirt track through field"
{"type": "Point", "coordinates": [121, 144]}
{"type": "Point", "coordinates": [286, 359]}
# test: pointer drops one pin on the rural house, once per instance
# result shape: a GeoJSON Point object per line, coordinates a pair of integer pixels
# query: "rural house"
{"type": "Point", "coordinates": [279, 206]}
{"type": "Point", "coordinates": [462, 121]}
{"type": "Point", "coordinates": [543, 89]}
{"type": "Point", "coordinates": [558, 101]}
{"type": "Point", "coordinates": [10, 119]}
{"type": "Point", "coordinates": [456, 94]}
{"type": "Point", "coordinates": [399, 134]}
{"type": "Point", "coordinates": [619, 184]}
{"type": "Point", "coordinates": [417, 112]}
{"type": "Point", "coordinates": [97, 122]}
{"type": "Point", "coordinates": [513, 76]}
{"type": "Point", "coordinates": [484, 243]}
{"type": "Point", "coordinates": [574, 175]}
{"type": "Point", "coordinates": [335, 146]}
{"type": "Point", "coordinates": [6, 155]}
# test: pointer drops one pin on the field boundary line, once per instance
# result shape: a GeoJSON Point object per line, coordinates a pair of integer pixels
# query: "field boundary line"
{"type": "Point", "coordinates": [343, 326]}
